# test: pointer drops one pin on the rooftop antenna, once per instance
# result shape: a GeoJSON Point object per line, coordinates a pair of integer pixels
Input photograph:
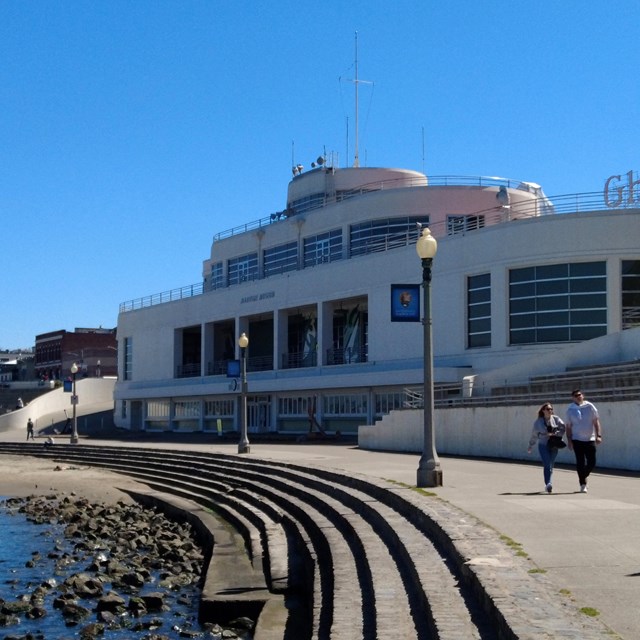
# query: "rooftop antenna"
{"type": "Point", "coordinates": [357, 81]}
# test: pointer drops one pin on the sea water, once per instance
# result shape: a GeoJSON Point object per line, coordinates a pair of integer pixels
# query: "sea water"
{"type": "Point", "coordinates": [22, 541]}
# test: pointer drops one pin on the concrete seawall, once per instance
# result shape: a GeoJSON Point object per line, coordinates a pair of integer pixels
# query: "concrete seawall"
{"type": "Point", "coordinates": [94, 395]}
{"type": "Point", "coordinates": [503, 432]}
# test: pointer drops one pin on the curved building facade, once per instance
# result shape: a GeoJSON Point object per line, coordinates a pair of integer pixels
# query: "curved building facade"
{"type": "Point", "coordinates": [327, 291]}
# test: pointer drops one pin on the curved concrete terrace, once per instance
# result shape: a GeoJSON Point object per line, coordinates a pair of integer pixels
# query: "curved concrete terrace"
{"type": "Point", "coordinates": [375, 558]}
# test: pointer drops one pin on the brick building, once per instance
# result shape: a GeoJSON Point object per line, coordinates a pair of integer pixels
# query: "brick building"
{"type": "Point", "coordinates": [93, 350]}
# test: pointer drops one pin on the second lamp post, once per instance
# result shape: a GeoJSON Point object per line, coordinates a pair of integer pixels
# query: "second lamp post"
{"type": "Point", "coordinates": [74, 404]}
{"type": "Point", "coordinates": [429, 471]}
{"type": "Point", "coordinates": [243, 445]}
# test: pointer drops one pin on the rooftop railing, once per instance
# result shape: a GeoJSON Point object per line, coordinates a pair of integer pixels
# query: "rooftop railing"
{"type": "Point", "coordinates": [562, 204]}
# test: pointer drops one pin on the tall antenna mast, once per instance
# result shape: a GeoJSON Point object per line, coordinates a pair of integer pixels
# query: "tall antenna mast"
{"type": "Point", "coordinates": [356, 159]}
{"type": "Point", "coordinates": [357, 81]}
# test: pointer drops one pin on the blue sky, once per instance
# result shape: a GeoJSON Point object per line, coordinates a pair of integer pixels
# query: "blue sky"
{"type": "Point", "coordinates": [132, 131]}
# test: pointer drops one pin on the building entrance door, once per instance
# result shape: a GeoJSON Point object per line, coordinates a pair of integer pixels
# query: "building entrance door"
{"type": "Point", "coordinates": [259, 414]}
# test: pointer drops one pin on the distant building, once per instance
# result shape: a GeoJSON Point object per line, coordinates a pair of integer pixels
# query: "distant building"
{"type": "Point", "coordinates": [16, 365]}
{"type": "Point", "coordinates": [93, 350]}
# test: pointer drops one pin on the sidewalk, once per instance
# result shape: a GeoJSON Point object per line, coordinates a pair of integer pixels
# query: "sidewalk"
{"type": "Point", "coordinates": [587, 543]}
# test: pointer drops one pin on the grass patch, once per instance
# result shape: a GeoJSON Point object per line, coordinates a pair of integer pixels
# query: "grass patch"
{"type": "Point", "coordinates": [537, 571]}
{"type": "Point", "coordinates": [422, 492]}
{"type": "Point", "coordinates": [516, 546]}
{"type": "Point", "coordinates": [590, 611]}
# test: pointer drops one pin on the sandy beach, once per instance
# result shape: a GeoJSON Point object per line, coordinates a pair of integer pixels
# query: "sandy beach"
{"type": "Point", "coordinates": [22, 476]}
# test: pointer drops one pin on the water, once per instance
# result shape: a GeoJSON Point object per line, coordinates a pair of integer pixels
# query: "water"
{"type": "Point", "coordinates": [20, 539]}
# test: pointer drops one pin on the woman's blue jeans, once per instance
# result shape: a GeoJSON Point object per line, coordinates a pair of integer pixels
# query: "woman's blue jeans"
{"type": "Point", "coordinates": [548, 457]}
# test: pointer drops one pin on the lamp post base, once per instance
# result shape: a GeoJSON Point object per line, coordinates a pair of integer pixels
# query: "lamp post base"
{"type": "Point", "coordinates": [429, 478]}
{"type": "Point", "coordinates": [74, 440]}
{"type": "Point", "coordinates": [244, 448]}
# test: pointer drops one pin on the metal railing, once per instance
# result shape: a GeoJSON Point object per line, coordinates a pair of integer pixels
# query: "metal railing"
{"type": "Point", "coordinates": [299, 359]}
{"type": "Point", "coordinates": [346, 356]}
{"type": "Point", "coordinates": [601, 383]}
{"type": "Point", "coordinates": [564, 204]}
{"type": "Point", "coordinates": [187, 291]}
{"type": "Point", "coordinates": [188, 370]}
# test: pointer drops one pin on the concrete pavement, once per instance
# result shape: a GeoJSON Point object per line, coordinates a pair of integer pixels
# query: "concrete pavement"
{"type": "Point", "coordinates": [587, 543]}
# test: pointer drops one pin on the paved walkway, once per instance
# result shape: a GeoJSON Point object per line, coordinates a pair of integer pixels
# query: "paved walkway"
{"type": "Point", "coordinates": [588, 543]}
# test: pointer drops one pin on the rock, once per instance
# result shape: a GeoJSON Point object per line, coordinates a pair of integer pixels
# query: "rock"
{"type": "Point", "coordinates": [111, 602]}
{"type": "Point", "coordinates": [74, 613]}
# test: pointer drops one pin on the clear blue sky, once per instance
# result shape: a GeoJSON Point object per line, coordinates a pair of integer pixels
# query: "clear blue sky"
{"type": "Point", "coordinates": [132, 132]}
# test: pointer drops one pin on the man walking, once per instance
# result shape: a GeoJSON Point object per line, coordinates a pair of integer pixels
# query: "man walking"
{"type": "Point", "coordinates": [30, 429]}
{"type": "Point", "coordinates": [583, 434]}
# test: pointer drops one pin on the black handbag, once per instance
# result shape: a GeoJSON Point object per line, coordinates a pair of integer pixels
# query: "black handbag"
{"type": "Point", "coordinates": [556, 442]}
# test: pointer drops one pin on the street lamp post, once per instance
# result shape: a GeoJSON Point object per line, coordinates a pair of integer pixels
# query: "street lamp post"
{"type": "Point", "coordinates": [429, 471]}
{"type": "Point", "coordinates": [243, 445]}
{"type": "Point", "coordinates": [74, 403]}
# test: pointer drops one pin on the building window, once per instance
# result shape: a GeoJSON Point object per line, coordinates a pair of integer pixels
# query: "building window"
{"type": "Point", "coordinates": [217, 275]}
{"type": "Point", "coordinates": [462, 224]}
{"type": "Point", "coordinates": [128, 358]}
{"type": "Point", "coordinates": [295, 406]}
{"type": "Point", "coordinates": [280, 259]}
{"type": "Point", "coordinates": [558, 303]}
{"type": "Point", "coordinates": [187, 409]}
{"type": "Point", "coordinates": [219, 408]}
{"type": "Point", "coordinates": [314, 201]}
{"type": "Point", "coordinates": [243, 269]}
{"type": "Point", "coordinates": [158, 408]}
{"type": "Point", "coordinates": [387, 402]}
{"type": "Point", "coordinates": [630, 293]}
{"type": "Point", "coordinates": [326, 247]}
{"type": "Point", "coordinates": [381, 235]}
{"type": "Point", "coordinates": [479, 311]}
{"type": "Point", "coordinates": [354, 404]}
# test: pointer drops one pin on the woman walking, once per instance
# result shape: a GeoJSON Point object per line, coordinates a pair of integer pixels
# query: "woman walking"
{"type": "Point", "coordinates": [547, 431]}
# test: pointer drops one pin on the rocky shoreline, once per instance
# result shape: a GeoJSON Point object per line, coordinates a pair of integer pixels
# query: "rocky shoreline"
{"type": "Point", "coordinates": [116, 567]}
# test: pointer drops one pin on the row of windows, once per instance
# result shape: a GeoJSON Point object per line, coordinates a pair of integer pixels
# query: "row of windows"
{"type": "Point", "coordinates": [364, 238]}
{"type": "Point", "coordinates": [128, 359]}
{"type": "Point", "coordinates": [288, 407]}
{"type": "Point", "coordinates": [558, 303]}
{"type": "Point", "coordinates": [345, 404]}
{"type": "Point", "coordinates": [190, 408]}
{"type": "Point", "coordinates": [479, 310]}
{"type": "Point", "coordinates": [630, 293]}
{"type": "Point", "coordinates": [551, 303]}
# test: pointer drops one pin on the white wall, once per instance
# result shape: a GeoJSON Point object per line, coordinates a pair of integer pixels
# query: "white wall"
{"type": "Point", "coordinates": [503, 432]}
{"type": "Point", "coordinates": [94, 395]}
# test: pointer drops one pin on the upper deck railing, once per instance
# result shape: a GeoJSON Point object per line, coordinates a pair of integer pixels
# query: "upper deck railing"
{"type": "Point", "coordinates": [543, 205]}
{"type": "Point", "coordinates": [380, 185]}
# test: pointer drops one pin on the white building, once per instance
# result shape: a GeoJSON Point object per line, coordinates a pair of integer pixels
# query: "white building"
{"type": "Point", "coordinates": [516, 278]}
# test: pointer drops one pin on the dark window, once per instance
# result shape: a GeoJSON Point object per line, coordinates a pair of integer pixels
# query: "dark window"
{"type": "Point", "coordinates": [381, 235]}
{"type": "Point", "coordinates": [479, 311]}
{"type": "Point", "coordinates": [280, 259]}
{"type": "Point", "coordinates": [325, 247]}
{"type": "Point", "coordinates": [557, 303]}
{"type": "Point", "coordinates": [243, 269]}
{"type": "Point", "coordinates": [630, 293]}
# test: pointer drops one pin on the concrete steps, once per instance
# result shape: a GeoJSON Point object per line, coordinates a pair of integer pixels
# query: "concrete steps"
{"type": "Point", "coordinates": [329, 556]}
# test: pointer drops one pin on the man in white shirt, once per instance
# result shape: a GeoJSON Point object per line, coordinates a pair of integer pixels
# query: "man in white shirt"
{"type": "Point", "coordinates": [583, 434]}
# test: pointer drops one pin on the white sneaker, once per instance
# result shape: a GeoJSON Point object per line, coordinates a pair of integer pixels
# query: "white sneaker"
{"type": "Point", "coordinates": [583, 488]}
{"type": "Point", "coordinates": [548, 488]}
